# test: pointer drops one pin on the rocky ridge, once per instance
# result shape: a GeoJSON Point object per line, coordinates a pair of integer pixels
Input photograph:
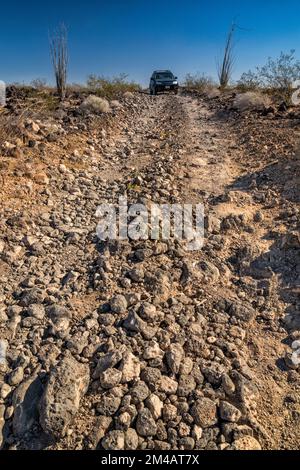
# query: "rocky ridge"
{"type": "Point", "coordinates": [143, 344]}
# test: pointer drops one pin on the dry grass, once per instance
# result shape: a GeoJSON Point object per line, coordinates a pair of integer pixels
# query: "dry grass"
{"type": "Point", "coordinates": [275, 78]}
{"type": "Point", "coordinates": [27, 100]}
{"type": "Point", "coordinates": [23, 102]}
{"type": "Point", "coordinates": [202, 84]}
{"type": "Point", "coordinates": [95, 104]}
{"type": "Point", "coordinates": [10, 132]}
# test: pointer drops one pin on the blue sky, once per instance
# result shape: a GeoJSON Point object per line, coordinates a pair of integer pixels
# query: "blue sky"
{"type": "Point", "coordinates": [109, 37]}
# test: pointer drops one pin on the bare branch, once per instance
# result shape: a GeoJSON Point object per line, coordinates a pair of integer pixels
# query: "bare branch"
{"type": "Point", "coordinates": [59, 56]}
{"type": "Point", "coordinates": [226, 67]}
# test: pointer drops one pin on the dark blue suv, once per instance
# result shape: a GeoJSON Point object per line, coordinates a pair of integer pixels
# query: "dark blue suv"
{"type": "Point", "coordinates": [163, 80]}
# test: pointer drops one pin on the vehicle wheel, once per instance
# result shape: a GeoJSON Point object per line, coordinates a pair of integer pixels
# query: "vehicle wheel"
{"type": "Point", "coordinates": [151, 91]}
{"type": "Point", "coordinates": [154, 92]}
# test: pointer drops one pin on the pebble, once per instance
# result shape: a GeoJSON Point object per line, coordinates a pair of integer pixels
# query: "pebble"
{"type": "Point", "coordinates": [114, 440]}
{"type": "Point", "coordinates": [204, 412]}
{"type": "Point", "coordinates": [145, 424]}
{"type": "Point", "coordinates": [155, 405]}
{"type": "Point", "coordinates": [230, 413]}
{"type": "Point", "coordinates": [118, 304]}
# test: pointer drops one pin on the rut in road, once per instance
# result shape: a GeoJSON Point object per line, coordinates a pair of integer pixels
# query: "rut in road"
{"type": "Point", "coordinates": [141, 344]}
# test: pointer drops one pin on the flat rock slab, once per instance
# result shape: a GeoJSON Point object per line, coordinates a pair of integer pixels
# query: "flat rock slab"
{"type": "Point", "coordinates": [68, 382]}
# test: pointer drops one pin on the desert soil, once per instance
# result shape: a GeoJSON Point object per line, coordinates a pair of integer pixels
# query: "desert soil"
{"type": "Point", "coordinates": [144, 344]}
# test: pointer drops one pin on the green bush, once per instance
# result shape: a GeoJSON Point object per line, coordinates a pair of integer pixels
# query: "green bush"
{"type": "Point", "coordinates": [276, 77]}
{"type": "Point", "coordinates": [249, 81]}
{"type": "Point", "coordinates": [111, 88]}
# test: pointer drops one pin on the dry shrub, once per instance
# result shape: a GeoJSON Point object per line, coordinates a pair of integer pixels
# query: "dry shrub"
{"type": "Point", "coordinates": [198, 82]}
{"type": "Point", "coordinates": [39, 83]}
{"type": "Point", "coordinates": [95, 104]}
{"type": "Point", "coordinates": [202, 84]}
{"type": "Point", "coordinates": [111, 88]}
{"type": "Point", "coordinates": [76, 88]}
{"type": "Point", "coordinates": [26, 101]}
{"type": "Point", "coordinates": [276, 77]}
{"type": "Point", "coordinates": [251, 101]}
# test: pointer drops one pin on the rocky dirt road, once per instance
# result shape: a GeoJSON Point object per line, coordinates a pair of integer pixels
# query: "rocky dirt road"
{"type": "Point", "coordinates": [143, 344]}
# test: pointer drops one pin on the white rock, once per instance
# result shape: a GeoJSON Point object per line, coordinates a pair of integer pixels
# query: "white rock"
{"type": "Point", "coordinates": [174, 356]}
{"type": "Point", "coordinates": [295, 358]}
{"type": "Point", "coordinates": [197, 432]}
{"type": "Point", "coordinates": [67, 384]}
{"type": "Point", "coordinates": [130, 367]}
{"type": "Point", "coordinates": [153, 351]}
{"type": "Point", "coordinates": [155, 405]}
{"type": "Point", "coordinates": [296, 344]}
{"type": "Point", "coordinates": [5, 391]}
{"type": "Point", "coordinates": [3, 349]}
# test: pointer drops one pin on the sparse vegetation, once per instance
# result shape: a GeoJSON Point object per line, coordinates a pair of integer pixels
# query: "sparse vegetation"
{"type": "Point", "coordinates": [39, 83]}
{"type": "Point", "coordinates": [76, 88]}
{"type": "Point", "coordinates": [275, 77]}
{"type": "Point", "coordinates": [199, 82]}
{"type": "Point", "coordinates": [248, 82]}
{"type": "Point", "coordinates": [10, 130]}
{"type": "Point", "coordinates": [28, 99]}
{"type": "Point", "coordinates": [59, 56]}
{"type": "Point", "coordinates": [111, 88]}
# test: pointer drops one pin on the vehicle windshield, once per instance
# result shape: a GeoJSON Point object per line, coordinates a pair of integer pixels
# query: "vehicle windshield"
{"type": "Point", "coordinates": [164, 75]}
